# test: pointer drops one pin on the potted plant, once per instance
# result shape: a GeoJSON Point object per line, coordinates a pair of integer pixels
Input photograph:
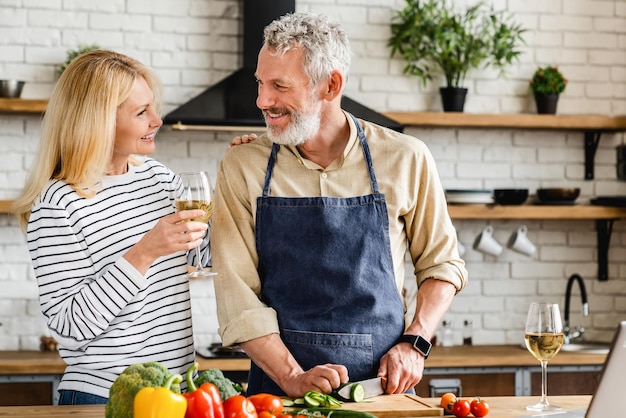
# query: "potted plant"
{"type": "Point", "coordinates": [73, 53]}
{"type": "Point", "coordinates": [547, 84]}
{"type": "Point", "coordinates": [433, 38]}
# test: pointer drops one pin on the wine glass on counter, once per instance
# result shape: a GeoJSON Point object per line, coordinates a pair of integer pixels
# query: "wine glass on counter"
{"type": "Point", "coordinates": [544, 339]}
{"type": "Point", "coordinates": [197, 194]}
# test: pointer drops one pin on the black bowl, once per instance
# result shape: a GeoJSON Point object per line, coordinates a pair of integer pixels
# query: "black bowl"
{"type": "Point", "coordinates": [558, 195]}
{"type": "Point", "coordinates": [510, 196]}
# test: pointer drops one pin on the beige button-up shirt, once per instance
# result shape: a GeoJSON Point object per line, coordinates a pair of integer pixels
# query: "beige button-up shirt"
{"type": "Point", "coordinates": [406, 174]}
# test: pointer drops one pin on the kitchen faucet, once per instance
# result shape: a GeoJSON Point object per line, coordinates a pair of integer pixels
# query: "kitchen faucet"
{"type": "Point", "coordinates": [578, 333]}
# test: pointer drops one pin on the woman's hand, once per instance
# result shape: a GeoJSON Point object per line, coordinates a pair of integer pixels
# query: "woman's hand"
{"type": "Point", "coordinates": [243, 139]}
{"type": "Point", "coordinates": [170, 234]}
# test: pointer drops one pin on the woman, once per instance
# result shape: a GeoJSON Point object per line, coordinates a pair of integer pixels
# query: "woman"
{"type": "Point", "coordinates": [108, 249]}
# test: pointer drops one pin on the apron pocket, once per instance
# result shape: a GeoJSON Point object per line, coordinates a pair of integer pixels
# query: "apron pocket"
{"type": "Point", "coordinates": [354, 351]}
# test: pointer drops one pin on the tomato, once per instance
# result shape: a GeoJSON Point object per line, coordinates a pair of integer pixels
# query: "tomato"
{"type": "Point", "coordinates": [461, 408]}
{"type": "Point", "coordinates": [266, 402]}
{"type": "Point", "coordinates": [266, 414]}
{"type": "Point", "coordinates": [239, 406]}
{"type": "Point", "coordinates": [447, 400]}
{"type": "Point", "coordinates": [479, 407]}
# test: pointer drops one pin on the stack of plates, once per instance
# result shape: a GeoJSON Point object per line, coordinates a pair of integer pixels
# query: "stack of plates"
{"type": "Point", "coordinates": [469, 196]}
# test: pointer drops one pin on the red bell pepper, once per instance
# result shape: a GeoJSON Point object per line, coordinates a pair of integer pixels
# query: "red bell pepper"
{"type": "Point", "coordinates": [202, 402]}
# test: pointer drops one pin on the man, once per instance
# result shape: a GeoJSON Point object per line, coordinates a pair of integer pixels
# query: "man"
{"type": "Point", "coordinates": [312, 224]}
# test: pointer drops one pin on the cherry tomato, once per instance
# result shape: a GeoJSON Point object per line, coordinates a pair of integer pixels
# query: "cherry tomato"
{"type": "Point", "coordinates": [447, 400]}
{"type": "Point", "coordinates": [266, 402]}
{"type": "Point", "coordinates": [479, 407]}
{"type": "Point", "coordinates": [461, 408]}
{"type": "Point", "coordinates": [266, 414]}
{"type": "Point", "coordinates": [239, 406]}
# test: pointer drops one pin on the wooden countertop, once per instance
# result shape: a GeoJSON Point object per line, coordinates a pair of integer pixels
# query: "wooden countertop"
{"type": "Point", "coordinates": [36, 362]}
{"type": "Point", "coordinates": [503, 356]}
{"type": "Point", "coordinates": [501, 407]}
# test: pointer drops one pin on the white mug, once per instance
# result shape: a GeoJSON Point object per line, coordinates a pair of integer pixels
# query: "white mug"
{"type": "Point", "coordinates": [461, 248]}
{"type": "Point", "coordinates": [486, 243]}
{"type": "Point", "coordinates": [519, 242]}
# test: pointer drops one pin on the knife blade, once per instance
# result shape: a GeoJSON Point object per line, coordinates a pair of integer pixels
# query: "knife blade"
{"type": "Point", "coordinates": [373, 387]}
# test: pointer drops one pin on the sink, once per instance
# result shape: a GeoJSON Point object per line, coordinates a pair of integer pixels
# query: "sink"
{"type": "Point", "coordinates": [587, 347]}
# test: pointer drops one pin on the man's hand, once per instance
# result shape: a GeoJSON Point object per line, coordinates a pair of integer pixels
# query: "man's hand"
{"type": "Point", "coordinates": [403, 367]}
{"type": "Point", "coordinates": [243, 139]}
{"type": "Point", "coordinates": [324, 378]}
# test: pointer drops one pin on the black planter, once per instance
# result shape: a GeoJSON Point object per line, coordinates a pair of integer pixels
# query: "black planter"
{"type": "Point", "coordinates": [546, 103]}
{"type": "Point", "coordinates": [453, 98]}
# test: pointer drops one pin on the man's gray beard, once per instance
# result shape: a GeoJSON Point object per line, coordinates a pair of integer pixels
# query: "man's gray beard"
{"type": "Point", "coordinates": [303, 127]}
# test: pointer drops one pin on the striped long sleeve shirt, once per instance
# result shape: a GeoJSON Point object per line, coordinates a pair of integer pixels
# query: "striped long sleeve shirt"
{"type": "Point", "coordinates": [102, 311]}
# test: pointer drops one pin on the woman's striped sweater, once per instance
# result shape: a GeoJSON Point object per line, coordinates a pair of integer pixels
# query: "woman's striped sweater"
{"type": "Point", "coordinates": [102, 311]}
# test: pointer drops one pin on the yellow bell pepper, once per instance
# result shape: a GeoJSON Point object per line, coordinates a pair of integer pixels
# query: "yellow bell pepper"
{"type": "Point", "coordinates": [160, 402]}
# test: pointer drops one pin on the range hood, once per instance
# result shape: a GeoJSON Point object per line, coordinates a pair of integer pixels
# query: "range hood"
{"type": "Point", "coordinates": [231, 103]}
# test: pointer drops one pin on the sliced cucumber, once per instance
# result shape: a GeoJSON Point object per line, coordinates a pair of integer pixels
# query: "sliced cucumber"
{"type": "Point", "coordinates": [357, 392]}
{"type": "Point", "coordinates": [310, 400]}
{"type": "Point", "coordinates": [331, 412]}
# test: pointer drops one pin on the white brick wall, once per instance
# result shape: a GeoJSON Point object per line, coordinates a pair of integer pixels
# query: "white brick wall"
{"type": "Point", "coordinates": [195, 43]}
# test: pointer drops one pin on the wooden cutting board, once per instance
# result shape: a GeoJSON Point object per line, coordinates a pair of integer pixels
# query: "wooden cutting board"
{"type": "Point", "coordinates": [395, 406]}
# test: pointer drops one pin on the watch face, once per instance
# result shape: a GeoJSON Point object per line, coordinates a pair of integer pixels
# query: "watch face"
{"type": "Point", "coordinates": [423, 344]}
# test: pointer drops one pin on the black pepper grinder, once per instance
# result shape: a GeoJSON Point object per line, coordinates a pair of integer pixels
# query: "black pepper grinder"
{"type": "Point", "coordinates": [467, 332]}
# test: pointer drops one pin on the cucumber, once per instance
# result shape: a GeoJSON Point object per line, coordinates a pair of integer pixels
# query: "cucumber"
{"type": "Point", "coordinates": [357, 392]}
{"type": "Point", "coordinates": [331, 413]}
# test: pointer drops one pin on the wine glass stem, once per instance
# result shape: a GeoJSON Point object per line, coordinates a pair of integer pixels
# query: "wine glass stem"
{"type": "Point", "coordinates": [199, 260]}
{"type": "Point", "coordinates": [544, 382]}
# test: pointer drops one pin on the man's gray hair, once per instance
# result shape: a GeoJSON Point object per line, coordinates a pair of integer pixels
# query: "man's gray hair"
{"type": "Point", "coordinates": [325, 43]}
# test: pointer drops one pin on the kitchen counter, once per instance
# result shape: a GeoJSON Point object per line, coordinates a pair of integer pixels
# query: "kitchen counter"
{"type": "Point", "coordinates": [36, 362]}
{"type": "Point", "coordinates": [503, 356]}
{"type": "Point", "coordinates": [501, 407]}
{"type": "Point", "coordinates": [512, 360]}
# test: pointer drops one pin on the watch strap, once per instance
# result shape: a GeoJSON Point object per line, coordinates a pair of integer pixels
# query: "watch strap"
{"type": "Point", "coordinates": [421, 344]}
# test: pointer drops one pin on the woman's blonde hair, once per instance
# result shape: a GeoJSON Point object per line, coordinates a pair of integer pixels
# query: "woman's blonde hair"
{"type": "Point", "coordinates": [78, 129]}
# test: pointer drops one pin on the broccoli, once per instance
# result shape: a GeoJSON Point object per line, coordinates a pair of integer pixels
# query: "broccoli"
{"type": "Point", "coordinates": [134, 378]}
{"type": "Point", "coordinates": [226, 386]}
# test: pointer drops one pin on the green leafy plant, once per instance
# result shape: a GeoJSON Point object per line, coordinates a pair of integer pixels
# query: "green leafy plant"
{"type": "Point", "coordinates": [430, 36]}
{"type": "Point", "coordinates": [548, 80]}
{"type": "Point", "coordinates": [73, 53]}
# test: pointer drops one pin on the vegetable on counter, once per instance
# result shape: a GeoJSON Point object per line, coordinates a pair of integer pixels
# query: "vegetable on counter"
{"type": "Point", "coordinates": [462, 408]}
{"type": "Point", "coordinates": [204, 401]}
{"type": "Point", "coordinates": [239, 406]}
{"type": "Point", "coordinates": [266, 402]}
{"type": "Point", "coordinates": [326, 412]}
{"type": "Point", "coordinates": [134, 378]}
{"type": "Point", "coordinates": [160, 402]}
{"type": "Point", "coordinates": [215, 376]}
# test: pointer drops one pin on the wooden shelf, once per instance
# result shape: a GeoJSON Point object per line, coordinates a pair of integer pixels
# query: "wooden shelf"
{"type": "Point", "coordinates": [514, 121]}
{"type": "Point", "coordinates": [531, 212]}
{"type": "Point", "coordinates": [5, 206]}
{"type": "Point", "coordinates": [37, 106]}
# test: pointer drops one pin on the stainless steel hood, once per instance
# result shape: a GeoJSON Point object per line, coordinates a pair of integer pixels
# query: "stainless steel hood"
{"type": "Point", "coordinates": [231, 103]}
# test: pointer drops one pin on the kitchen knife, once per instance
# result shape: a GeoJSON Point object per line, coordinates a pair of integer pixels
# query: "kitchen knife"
{"type": "Point", "coordinates": [372, 387]}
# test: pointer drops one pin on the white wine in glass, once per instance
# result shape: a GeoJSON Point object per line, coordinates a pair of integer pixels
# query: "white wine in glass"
{"type": "Point", "coordinates": [544, 339]}
{"type": "Point", "coordinates": [197, 194]}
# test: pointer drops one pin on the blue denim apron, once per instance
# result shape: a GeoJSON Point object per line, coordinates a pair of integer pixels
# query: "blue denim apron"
{"type": "Point", "coordinates": [326, 268]}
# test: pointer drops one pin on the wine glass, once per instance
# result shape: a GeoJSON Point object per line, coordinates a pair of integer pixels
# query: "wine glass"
{"type": "Point", "coordinates": [197, 194]}
{"type": "Point", "coordinates": [544, 338]}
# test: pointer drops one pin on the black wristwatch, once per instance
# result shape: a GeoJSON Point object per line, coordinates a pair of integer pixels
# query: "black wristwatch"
{"type": "Point", "coordinates": [418, 342]}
